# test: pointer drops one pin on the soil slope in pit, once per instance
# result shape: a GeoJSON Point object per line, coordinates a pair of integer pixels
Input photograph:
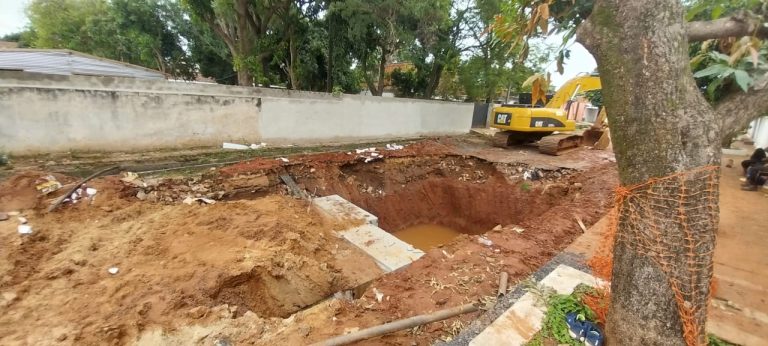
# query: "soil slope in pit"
{"type": "Point", "coordinates": [462, 194]}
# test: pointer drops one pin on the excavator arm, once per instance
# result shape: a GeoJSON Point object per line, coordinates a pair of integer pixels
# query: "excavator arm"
{"type": "Point", "coordinates": [572, 87]}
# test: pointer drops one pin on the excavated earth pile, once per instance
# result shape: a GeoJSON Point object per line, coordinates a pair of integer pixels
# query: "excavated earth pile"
{"type": "Point", "coordinates": [258, 266]}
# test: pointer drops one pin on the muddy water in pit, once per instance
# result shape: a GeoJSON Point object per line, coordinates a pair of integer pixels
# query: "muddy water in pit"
{"type": "Point", "coordinates": [426, 236]}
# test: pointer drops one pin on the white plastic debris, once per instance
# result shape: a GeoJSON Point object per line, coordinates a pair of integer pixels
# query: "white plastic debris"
{"type": "Point", "coordinates": [201, 200]}
{"type": "Point", "coordinates": [113, 270]}
{"type": "Point", "coordinates": [22, 220]}
{"type": "Point", "coordinates": [282, 159]}
{"type": "Point", "coordinates": [255, 146]}
{"type": "Point", "coordinates": [533, 174]}
{"type": "Point", "coordinates": [368, 154]}
{"type": "Point", "coordinates": [129, 177]}
{"type": "Point", "coordinates": [518, 229]}
{"type": "Point", "coordinates": [365, 150]}
{"type": "Point", "coordinates": [133, 179]}
{"type": "Point", "coordinates": [90, 191]}
{"type": "Point", "coordinates": [235, 146]}
{"type": "Point", "coordinates": [25, 229]}
{"type": "Point", "coordinates": [394, 146]}
{"type": "Point", "coordinates": [379, 295]}
{"type": "Point", "coordinates": [485, 241]}
{"type": "Point", "coordinates": [344, 295]}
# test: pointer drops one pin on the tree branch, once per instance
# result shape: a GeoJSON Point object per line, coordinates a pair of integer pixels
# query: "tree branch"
{"type": "Point", "coordinates": [739, 109]}
{"type": "Point", "coordinates": [733, 26]}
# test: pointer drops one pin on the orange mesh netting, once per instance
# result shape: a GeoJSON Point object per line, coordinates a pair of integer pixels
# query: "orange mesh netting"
{"type": "Point", "coordinates": [670, 220]}
{"type": "Point", "coordinates": [598, 301]}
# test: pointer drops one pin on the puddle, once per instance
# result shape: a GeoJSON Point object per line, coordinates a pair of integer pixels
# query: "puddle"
{"type": "Point", "coordinates": [426, 236]}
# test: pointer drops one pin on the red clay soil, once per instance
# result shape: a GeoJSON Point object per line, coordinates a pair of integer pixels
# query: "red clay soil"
{"type": "Point", "coordinates": [18, 192]}
{"type": "Point", "coordinates": [176, 263]}
{"type": "Point", "coordinates": [456, 273]}
{"type": "Point", "coordinates": [421, 149]}
{"type": "Point", "coordinates": [465, 270]}
{"type": "Point", "coordinates": [232, 271]}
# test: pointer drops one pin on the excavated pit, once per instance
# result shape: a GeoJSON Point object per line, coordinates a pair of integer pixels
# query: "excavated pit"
{"type": "Point", "coordinates": [425, 201]}
{"type": "Point", "coordinates": [445, 195]}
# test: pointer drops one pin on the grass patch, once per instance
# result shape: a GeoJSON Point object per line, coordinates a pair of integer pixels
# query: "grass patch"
{"type": "Point", "coordinates": [558, 305]}
{"type": "Point", "coordinates": [715, 341]}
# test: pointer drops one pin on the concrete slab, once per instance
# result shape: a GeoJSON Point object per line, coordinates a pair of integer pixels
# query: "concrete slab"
{"type": "Point", "coordinates": [564, 279]}
{"type": "Point", "coordinates": [523, 320]}
{"type": "Point", "coordinates": [389, 252]}
{"type": "Point", "coordinates": [335, 206]}
{"type": "Point", "coordinates": [487, 131]}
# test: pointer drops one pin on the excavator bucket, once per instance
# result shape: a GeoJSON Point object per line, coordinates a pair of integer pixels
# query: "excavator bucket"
{"type": "Point", "coordinates": [591, 136]}
{"type": "Point", "coordinates": [597, 139]}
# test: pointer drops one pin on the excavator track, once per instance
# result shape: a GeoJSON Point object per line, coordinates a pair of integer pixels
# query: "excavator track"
{"type": "Point", "coordinates": [558, 144]}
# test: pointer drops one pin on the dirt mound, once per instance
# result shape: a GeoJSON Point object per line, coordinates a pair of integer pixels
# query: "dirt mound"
{"type": "Point", "coordinates": [174, 264]}
{"type": "Point", "coordinates": [18, 191]}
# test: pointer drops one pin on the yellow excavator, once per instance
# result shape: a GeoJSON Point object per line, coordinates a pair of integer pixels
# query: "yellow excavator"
{"type": "Point", "coordinates": [520, 124]}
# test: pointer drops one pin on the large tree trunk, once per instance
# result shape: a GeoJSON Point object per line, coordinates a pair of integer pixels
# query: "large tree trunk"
{"type": "Point", "coordinates": [434, 80]}
{"type": "Point", "coordinates": [382, 68]}
{"type": "Point", "coordinates": [660, 125]}
{"type": "Point", "coordinates": [294, 55]}
{"type": "Point", "coordinates": [244, 77]}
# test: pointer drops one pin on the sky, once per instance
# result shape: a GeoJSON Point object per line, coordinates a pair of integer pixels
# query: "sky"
{"type": "Point", "coordinates": [580, 61]}
{"type": "Point", "coordinates": [13, 19]}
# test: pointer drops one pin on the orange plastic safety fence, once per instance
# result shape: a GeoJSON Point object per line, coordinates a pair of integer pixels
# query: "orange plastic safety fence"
{"type": "Point", "coordinates": [598, 302]}
{"type": "Point", "coordinates": [670, 220]}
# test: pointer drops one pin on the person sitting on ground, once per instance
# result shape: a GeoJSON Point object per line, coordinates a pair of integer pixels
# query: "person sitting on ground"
{"type": "Point", "coordinates": [757, 156]}
{"type": "Point", "coordinates": [756, 176]}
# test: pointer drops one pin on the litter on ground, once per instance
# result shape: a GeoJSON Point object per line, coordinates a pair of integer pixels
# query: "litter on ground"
{"type": "Point", "coordinates": [24, 229]}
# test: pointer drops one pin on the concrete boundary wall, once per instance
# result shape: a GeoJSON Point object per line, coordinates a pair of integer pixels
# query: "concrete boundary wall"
{"type": "Point", "coordinates": [52, 113]}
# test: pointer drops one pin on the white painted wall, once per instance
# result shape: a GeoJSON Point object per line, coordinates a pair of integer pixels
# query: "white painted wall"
{"type": "Point", "coordinates": [46, 113]}
{"type": "Point", "coordinates": [312, 121]}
